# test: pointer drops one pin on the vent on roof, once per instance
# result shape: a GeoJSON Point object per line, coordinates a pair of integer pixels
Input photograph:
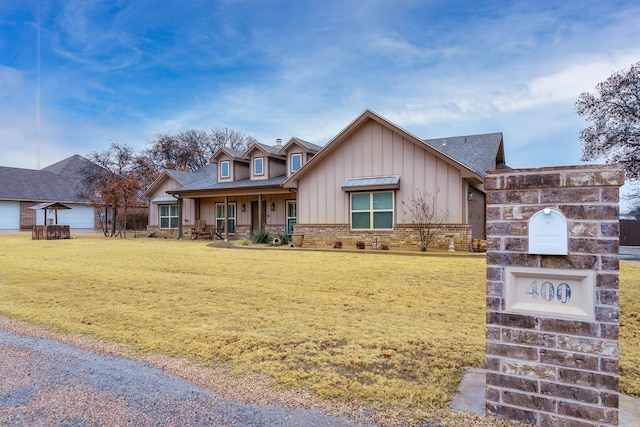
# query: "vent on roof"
{"type": "Point", "coordinates": [444, 142]}
{"type": "Point", "coordinates": [279, 143]}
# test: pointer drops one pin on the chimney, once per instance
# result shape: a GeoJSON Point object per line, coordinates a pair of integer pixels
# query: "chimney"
{"type": "Point", "coordinates": [279, 143]}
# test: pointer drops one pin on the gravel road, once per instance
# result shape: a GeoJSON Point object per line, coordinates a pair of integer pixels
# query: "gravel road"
{"type": "Point", "coordinates": [44, 382]}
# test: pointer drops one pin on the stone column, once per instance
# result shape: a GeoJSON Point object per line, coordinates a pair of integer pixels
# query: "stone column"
{"type": "Point", "coordinates": [548, 363]}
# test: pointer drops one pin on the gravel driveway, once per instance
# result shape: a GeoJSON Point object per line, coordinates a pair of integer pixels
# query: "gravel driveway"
{"type": "Point", "coordinates": [48, 383]}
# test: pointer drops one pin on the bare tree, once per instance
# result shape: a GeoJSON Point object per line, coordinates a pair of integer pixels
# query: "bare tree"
{"type": "Point", "coordinates": [188, 150]}
{"type": "Point", "coordinates": [115, 185]}
{"type": "Point", "coordinates": [421, 211]}
{"type": "Point", "coordinates": [614, 113]}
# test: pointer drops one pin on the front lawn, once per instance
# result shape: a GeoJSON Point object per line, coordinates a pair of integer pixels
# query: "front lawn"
{"type": "Point", "coordinates": [392, 331]}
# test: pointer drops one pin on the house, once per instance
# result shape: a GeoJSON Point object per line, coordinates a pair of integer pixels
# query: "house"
{"type": "Point", "coordinates": [21, 189]}
{"type": "Point", "coordinates": [353, 188]}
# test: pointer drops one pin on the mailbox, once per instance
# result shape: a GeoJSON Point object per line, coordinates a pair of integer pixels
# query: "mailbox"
{"type": "Point", "coordinates": [548, 233]}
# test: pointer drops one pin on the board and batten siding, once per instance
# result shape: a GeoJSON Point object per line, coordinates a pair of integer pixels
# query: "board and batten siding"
{"type": "Point", "coordinates": [375, 150]}
{"type": "Point", "coordinates": [188, 207]}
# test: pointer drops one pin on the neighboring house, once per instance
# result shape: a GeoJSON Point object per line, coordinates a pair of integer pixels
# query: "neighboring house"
{"type": "Point", "coordinates": [21, 189]}
{"type": "Point", "coordinates": [353, 188]}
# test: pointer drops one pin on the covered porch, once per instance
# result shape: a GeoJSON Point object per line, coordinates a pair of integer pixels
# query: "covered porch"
{"type": "Point", "coordinates": [236, 214]}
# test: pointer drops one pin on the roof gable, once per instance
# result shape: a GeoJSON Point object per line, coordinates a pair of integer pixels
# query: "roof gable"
{"type": "Point", "coordinates": [231, 152]}
{"type": "Point", "coordinates": [182, 178]}
{"type": "Point", "coordinates": [356, 124]}
{"type": "Point", "coordinates": [312, 148]}
{"type": "Point", "coordinates": [265, 149]}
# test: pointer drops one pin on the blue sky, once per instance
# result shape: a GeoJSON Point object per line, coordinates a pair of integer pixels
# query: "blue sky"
{"type": "Point", "coordinates": [124, 70]}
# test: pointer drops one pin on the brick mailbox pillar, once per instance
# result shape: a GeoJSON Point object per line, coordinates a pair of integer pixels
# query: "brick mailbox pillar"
{"type": "Point", "coordinates": [552, 295]}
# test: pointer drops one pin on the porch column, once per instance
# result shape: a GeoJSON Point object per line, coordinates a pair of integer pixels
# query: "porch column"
{"type": "Point", "coordinates": [260, 212]}
{"type": "Point", "coordinates": [226, 218]}
{"type": "Point", "coordinates": [179, 218]}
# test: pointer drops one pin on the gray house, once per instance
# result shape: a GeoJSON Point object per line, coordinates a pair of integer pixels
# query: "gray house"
{"type": "Point", "coordinates": [21, 189]}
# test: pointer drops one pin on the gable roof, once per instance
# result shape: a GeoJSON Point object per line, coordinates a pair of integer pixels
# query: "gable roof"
{"type": "Point", "coordinates": [367, 115]}
{"type": "Point", "coordinates": [479, 153]}
{"type": "Point", "coordinates": [267, 149]}
{"type": "Point", "coordinates": [301, 142]}
{"type": "Point", "coordinates": [231, 152]}
{"type": "Point", "coordinates": [207, 172]}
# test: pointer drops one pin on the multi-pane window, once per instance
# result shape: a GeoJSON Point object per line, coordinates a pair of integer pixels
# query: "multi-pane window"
{"type": "Point", "coordinates": [224, 169]}
{"type": "Point", "coordinates": [296, 162]}
{"type": "Point", "coordinates": [372, 210]}
{"type": "Point", "coordinates": [258, 166]}
{"type": "Point", "coordinates": [168, 216]}
{"type": "Point", "coordinates": [231, 220]}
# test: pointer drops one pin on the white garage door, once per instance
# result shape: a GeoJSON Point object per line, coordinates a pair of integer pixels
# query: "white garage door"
{"type": "Point", "coordinates": [9, 216]}
{"type": "Point", "coordinates": [78, 217]}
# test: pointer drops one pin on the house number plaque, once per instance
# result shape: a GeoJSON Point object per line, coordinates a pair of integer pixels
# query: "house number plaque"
{"type": "Point", "coordinates": [559, 293]}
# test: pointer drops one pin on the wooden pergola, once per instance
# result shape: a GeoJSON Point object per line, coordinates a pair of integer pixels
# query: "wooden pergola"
{"type": "Point", "coordinates": [50, 231]}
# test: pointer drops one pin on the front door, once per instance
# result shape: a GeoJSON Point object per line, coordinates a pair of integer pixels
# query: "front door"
{"type": "Point", "coordinates": [291, 215]}
{"type": "Point", "coordinates": [256, 223]}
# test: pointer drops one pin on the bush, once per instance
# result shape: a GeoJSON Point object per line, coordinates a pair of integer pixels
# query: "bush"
{"type": "Point", "coordinates": [262, 237]}
{"type": "Point", "coordinates": [360, 244]}
{"type": "Point", "coordinates": [284, 238]}
{"type": "Point", "coordinates": [337, 244]}
{"type": "Point", "coordinates": [244, 242]}
{"type": "Point", "coordinates": [384, 247]}
{"type": "Point", "coordinates": [153, 234]}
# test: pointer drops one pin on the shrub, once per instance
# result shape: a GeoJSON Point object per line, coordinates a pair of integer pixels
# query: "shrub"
{"type": "Point", "coordinates": [360, 244]}
{"type": "Point", "coordinates": [262, 237]}
{"type": "Point", "coordinates": [284, 238]}
{"type": "Point", "coordinates": [153, 234]}
{"type": "Point", "coordinates": [337, 244]}
{"type": "Point", "coordinates": [244, 242]}
{"type": "Point", "coordinates": [384, 247]}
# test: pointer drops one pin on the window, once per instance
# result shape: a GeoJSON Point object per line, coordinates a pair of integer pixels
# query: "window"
{"type": "Point", "coordinates": [224, 169]}
{"type": "Point", "coordinates": [291, 215]}
{"type": "Point", "coordinates": [168, 216]}
{"type": "Point", "coordinates": [258, 166]}
{"type": "Point", "coordinates": [220, 217]}
{"type": "Point", "coordinates": [296, 162]}
{"type": "Point", "coordinates": [372, 210]}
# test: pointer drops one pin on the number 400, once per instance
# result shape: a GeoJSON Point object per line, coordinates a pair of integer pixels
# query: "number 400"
{"type": "Point", "coordinates": [547, 292]}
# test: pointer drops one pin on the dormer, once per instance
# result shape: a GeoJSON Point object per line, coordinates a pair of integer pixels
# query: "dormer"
{"type": "Point", "coordinates": [265, 161]}
{"type": "Point", "coordinates": [231, 165]}
{"type": "Point", "coordinates": [298, 152]}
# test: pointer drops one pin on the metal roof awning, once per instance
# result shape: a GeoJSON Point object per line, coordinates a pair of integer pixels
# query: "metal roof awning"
{"type": "Point", "coordinates": [164, 199]}
{"type": "Point", "coordinates": [390, 182]}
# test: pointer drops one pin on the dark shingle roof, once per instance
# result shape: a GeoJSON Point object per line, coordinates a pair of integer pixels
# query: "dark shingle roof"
{"type": "Point", "coordinates": [479, 153]}
{"type": "Point", "coordinates": [71, 167]}
{"type": "Point", "coordinates": [37, 185]}
{"type": "Point", "coordinates": [209, 171]}
{"type": "Point", "coordinates": [212, 184]}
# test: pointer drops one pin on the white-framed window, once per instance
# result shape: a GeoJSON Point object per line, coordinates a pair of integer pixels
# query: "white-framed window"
{"type": "Point", "coordinates": [291, 215]}
{"type": "Point", "coordinates": [224, 169]}
{"type": "Point", "coordinates": [372, 211]}
{"type": "Point", "coordinates": [168, 216]}
{"type": "Point", "coordinates": [231, 221]}
{"type": "Point", "coordinates": [296, 162]}
{"type": "Point", "coordinates": [258, 166]}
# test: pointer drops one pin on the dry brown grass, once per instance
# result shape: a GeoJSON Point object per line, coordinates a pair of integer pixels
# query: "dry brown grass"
{"type": "Point", "coordinates": [395, 332]}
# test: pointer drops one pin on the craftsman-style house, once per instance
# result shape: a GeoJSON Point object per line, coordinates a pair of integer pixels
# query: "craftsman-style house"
{"type": "Point", "coordinates": [353, 188]}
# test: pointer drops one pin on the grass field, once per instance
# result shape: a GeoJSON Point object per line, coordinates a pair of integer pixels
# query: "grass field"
{"type": "Point", "coordinates": [392, 331]}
